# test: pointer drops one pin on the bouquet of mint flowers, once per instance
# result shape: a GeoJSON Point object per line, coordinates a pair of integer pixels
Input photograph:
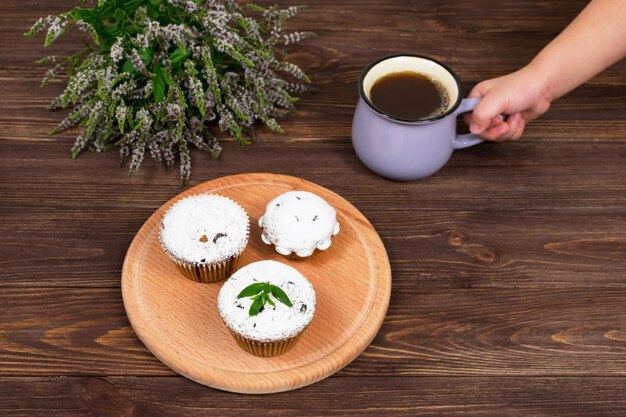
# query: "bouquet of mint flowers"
{"type": "Point", "coordinates": [159, 76]}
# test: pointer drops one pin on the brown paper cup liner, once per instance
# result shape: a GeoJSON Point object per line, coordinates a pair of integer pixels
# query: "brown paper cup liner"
{"type": "Point", "coordinates": [207, 273]}
{"type": "Point", "coordinates": [265, 349]}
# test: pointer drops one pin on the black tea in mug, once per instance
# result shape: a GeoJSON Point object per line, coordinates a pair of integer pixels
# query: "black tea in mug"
{"type": "Point", "coordinates": [410, 95]}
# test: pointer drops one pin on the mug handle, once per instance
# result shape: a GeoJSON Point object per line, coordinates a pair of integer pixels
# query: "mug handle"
{"type": "Point", "coordinates": [469, 139]}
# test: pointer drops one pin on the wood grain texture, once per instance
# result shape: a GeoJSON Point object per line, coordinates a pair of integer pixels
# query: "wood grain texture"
{"type": "Point", "coordinates": [508, 265]}
{"type": "Point", "coordinates": [473, 332]}
{"type": "Point", "coordinates": [70, 247]}
{"type": "Point", "coordinates": [368, 396]}
{"type": "Point", "coordinates": [177, 319]}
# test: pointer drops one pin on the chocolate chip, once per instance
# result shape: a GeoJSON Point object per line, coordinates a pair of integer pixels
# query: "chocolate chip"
{"type": "Point", "coordinates": [277, 204]}
{"type": "Point", "coordinates": [298, 198]}
{"type": "Point", "coordinates": [303, 308]}
{"type": "Point", "coordinates": [219, 235]}
{"type": "Point", "coordinates": [203, 260]}
{"type": "Point", "coordinates": [315, 218]}
{"type": "Point", "coordinates": [238, 305]}
{"type": "Point", "coordinates": [254, 325]}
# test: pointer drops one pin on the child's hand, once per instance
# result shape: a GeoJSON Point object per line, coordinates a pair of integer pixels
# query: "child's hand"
{"type": "Point", "coordinates": [520, 96]}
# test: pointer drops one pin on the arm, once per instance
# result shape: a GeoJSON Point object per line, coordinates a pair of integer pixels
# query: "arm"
{"type": "Point", "coordinates": [595, 40]}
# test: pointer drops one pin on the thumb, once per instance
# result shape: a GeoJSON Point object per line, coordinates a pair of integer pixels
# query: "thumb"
{"type": "Point", "coordinates": [488, 109]}
{"type": "Point", "coordinates": [479, 90]}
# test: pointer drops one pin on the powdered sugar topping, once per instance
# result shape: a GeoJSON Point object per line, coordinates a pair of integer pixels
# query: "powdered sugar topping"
{"type": "Point", "coordinates": [272, 323]}
{"type": "Point", "coordinates": [300, 222]}
{"type": "Point", "coordinates": [205, 228]}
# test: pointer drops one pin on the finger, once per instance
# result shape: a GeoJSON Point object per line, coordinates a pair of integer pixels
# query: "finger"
{"type": "Point", "coordinates": [530, 115]}
{"type": "Point", "coordinates": [513, 122]}
{"type": "Point", "coordinates": [475, 93]}
{"type": "Point", "coordinates": [520, 130]}
{"type": "Point", "coordinates": [517, 129]}
{"type": "Point", "coordinates": [495, 133]}
{"type": "Point", "coordinates": [496, 121]}
{"type": "Point", "coordinates": [479, 90]}
{"type": "Point", "coordinates": [489, 108]}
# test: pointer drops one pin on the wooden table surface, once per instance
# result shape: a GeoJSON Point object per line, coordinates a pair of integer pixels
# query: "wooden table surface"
{"type": "Point", "coordinates": [509, 265]}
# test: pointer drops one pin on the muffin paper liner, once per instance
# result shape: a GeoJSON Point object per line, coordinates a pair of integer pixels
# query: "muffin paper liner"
{"type": "Point", "coordinates": [207, 273]}
{"type": "Point", "coordinates": [265, 349]}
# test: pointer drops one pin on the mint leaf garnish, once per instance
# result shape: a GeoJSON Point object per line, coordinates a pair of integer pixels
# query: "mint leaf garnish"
{"type": "Point", "coordinates": [261, 293]}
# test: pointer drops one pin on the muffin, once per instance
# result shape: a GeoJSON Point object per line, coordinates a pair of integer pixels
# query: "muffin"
{"type": "Point", "coordinates": [205, 235]}
{"type": "Point", "coordinates": [266, 306]}
{"type": "Point", "coordinates": [297, 223]}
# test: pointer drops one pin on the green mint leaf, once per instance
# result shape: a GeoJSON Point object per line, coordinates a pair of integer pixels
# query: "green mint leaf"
{"type": "Point", "coordinates": [251, 290]}
{"type": "Point", "coordinates": [280, 295]}
{"type": "Point", "coordinates": [75, 152]}
{"type": "Point", "coordinates": [254, 7]}
{"type": "Point", "coordinates": [146, 55]}
{"type": "Point", "coordinates": [78, 13]}
{"type": "Point", "coordinates": [158, 84]}
{"type": "Point", "coordinates": [255, 308]}
{"type": "Point", "coordinates": [167, 77]}
{"type": "Point", "coordinates": [128, 66]}
{"type": "Point", "coordinates": [158, 89]}
{"type": "Point", "coordinates": [261, 293]}
{"type": "Point", "coordinates": [179, 55]}
{"type": "Point", "coordinates": [200, 106]}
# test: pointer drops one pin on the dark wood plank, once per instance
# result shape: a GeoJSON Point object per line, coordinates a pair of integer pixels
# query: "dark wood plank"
{"type": "Point", "coordinates": [60, 332]}
{"type": "Point", "coordinates": [493, 332]}
{"type": "Point", "coordinates": [512, 177]}
{"type": "Point", "coordinates": [336, 396]}
{"type": "Point", "coordinates": [81, 244]}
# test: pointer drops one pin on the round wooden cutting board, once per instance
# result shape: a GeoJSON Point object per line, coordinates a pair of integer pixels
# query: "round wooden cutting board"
{"type": "Point", "coordinates": [177, 319]}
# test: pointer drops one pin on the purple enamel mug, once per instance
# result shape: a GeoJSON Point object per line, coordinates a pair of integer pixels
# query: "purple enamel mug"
{"type": "Point", "coordinates": [408, 150]}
